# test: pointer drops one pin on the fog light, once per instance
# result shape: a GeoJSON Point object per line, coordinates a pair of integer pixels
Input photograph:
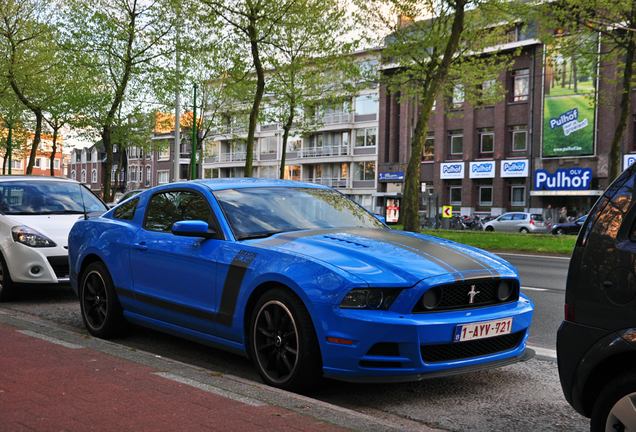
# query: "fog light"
{"type": "Point", "coordinates": [35, 270]}
{"type": "Point", "coordinates": [432, 298]}
{"type": "Point", "coordinates": [504, 291]}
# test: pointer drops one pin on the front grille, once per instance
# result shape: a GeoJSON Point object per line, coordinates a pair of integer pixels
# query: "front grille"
{"type": "Point", "coordinates": [60, 266]}
{"type": "Point", "coordinates": [458, 296]}
{"type": "Point", "coordinates": [469, 349]}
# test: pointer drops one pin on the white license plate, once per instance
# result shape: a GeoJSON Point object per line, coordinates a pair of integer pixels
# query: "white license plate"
{"type": "Point", "coordinates": [482, 330]}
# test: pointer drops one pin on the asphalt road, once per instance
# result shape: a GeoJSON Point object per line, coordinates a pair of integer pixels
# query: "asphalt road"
{"type": "Point", "coordinates": [522, 397]}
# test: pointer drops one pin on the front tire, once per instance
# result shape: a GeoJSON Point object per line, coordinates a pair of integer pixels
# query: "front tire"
{"type": "Point", "coordinates": [615, 408]}
{"type": "Point", "coordinates": [489, 229]}
{"type": "Point", "coordinates": [7, 287]}
{"type": "Point", "coordinates": [283, 342]}
{"type": "Point", "coordinates": [102, 313]}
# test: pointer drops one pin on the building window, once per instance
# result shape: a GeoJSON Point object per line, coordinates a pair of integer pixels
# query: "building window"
{"type": "Point", "coordinates": [292, 172]}
{"type": "Point", "coordinates": [486, 139]}
{"type": "Point", "coordinates": [294, 143]}
{"type": "Point", "coordinates": [56, 164]}
{"type": "Point", "coordinates": [366, 104]}
{"type": "Point", "coordinates": [269, 144]}
{"type": "Point", "coordinates": [148, 176]}
{"type": "Point", "coordinates": [94, 176]}
{"type": "Point", "coordinates": [83, 176]}
{"type": "Point", "coordinates": [485, 196]}
{"type": "Point", "coordinates": [455, 195]}
{"type": "Point", "coordinates": [520, 85]}
{"type": "Point", "coordinates": [429, 147]}
{"type": "Point", "coordinates": [163, 177]}
{"type": "Point", "coordinates": [364, 171]}
{"type": "Point", "coordinates": [133, 173]}
{"type": "Point", "coordinates": [37, 164]}
{"type": "Point", "coordinates": [141, 174]}
{"type": "Point", "coordinates": [459, 95]}
{"type": "Point", "coordinates": [164, 154]}
{"type": "Point", "coordinates": [517, 196]}
{"type": "Point", "coordinates": [73, 175]}
{"type": "Point", "coordinates": [488, 93]}
{"type": "Point", "coordinates": [83, 156]}
{"type": "Point", "coordinates": [519, 138]}
{"type": "Point", "coordinates": [365, 137]}
{"type": "Point", "coordinates": [456, 144]}
{"type": "Point", "coordinates": [269, 172]}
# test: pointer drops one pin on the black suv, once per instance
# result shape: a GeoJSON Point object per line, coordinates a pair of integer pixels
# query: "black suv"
{"type": "Point", "coordinates": [596, 344]}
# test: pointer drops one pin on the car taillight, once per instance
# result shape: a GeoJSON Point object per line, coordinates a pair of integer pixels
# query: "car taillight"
{"type": "Point", "coordinates": [531, 222]}
{"type": "Point", "coordinates": [569, 313]}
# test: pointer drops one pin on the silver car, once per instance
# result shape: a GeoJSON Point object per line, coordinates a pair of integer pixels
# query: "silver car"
{"type": "Point", "coordinates": [518, 222]}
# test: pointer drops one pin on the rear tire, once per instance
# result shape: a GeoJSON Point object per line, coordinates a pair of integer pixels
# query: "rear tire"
{"type": "Point", "coordinates": [7, 287]}
{"type": "Point", "coordinates": [283, 342]}
{"type": "Point", "coordinates": [560, 231]}
{"type": "Point", "coordinates": [102, 313]}
{"type": "Point", "coordinates": [615, 407]}
{"type": "Point", "coordinates": [524, 231]}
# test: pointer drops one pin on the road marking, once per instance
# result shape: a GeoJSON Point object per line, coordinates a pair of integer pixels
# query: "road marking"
{"type": "Point", "coordinates": [533, 289]}
{"type": "Point", "coordinates": [50, 339]}
{"type": "Point", "coordinates": [533, 256]}
{"type": "Point", "coordinates": [543, 351]}
{"type": "Point", "coordinates": [211, 389]}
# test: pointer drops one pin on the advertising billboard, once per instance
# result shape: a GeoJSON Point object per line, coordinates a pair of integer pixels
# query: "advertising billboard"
{"type": "Point", "coordinates": [568, 118]}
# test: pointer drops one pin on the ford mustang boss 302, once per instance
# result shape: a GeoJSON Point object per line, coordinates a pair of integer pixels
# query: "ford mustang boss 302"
{"type": "Point", "coordinates": [299, 278]}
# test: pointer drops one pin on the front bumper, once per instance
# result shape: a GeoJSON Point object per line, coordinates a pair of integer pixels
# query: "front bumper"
{"type": "Point", "coordinates": [391, 347]}
{"type": "Point", "coordinates": [37, 265]}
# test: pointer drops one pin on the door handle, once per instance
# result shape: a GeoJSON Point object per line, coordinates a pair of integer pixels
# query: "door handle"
{"type": "Point", "coordinates": [140, 246]}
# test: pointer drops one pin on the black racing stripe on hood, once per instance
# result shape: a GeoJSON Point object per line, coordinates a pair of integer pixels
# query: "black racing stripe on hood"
{"type": "Point", "coordinates": [458, 261]}
{"type": "Point", "coordinates": [292, 236]}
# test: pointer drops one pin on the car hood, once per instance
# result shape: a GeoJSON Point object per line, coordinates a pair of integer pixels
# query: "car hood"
{"type": "Point", "coordinates": [55, 227]}
{"type": "Point", "coordinates": [390, 258]}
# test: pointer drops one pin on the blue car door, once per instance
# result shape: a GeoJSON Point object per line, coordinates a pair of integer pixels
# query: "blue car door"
{"type": "Point", "coordinates": [174, 276]}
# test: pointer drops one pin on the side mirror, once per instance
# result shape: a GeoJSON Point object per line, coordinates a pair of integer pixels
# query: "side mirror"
{"type": "Point", "coordinates": [193, 228]}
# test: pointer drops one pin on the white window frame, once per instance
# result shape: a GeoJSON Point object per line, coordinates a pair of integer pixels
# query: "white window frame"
{"type": "Point", "coordinates": [163, 177]}
{"type": "Point", "coordinates": [517, 203]}
{"type": "Point", "coordinates": [483, 203]}
{"type": "Point", "coordinates": [94, 176]}
{"type": "Point", "coordinates": [452, 189]}
{"type": "Point", "coordinates": [83, 176]}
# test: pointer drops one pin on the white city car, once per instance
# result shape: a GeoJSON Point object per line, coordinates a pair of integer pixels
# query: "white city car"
{"type": "Point", "coordinates": [36, 215]}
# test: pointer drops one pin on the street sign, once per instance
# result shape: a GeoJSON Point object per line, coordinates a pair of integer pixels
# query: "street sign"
{"type": "Point", "coordinates": [447, 211]}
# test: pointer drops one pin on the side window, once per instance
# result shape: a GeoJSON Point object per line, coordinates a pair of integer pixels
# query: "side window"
{"type": "Point", "coordinates": [519, 216]}
{"type": "Point", "coordinates": [126, 211]}
{"type": "Point", "coordinates": [164, 209]}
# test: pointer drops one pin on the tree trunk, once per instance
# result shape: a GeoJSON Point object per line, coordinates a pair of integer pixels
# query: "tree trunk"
{"type": "Point", "coordinates": [286, 128]}
{"type": "Point", "coordinates": [433, 84]}
{"type": "Point", "coordinates": [54, 148]}
{"type": "Point", "coordinates": [260, 89]}
{"type": "Point", "coordinates": [621, 127]}
{"type": "Point", "coordinates": [108, 166]}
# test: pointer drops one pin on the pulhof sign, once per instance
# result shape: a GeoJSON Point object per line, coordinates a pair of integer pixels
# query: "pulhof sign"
{"type": "Point", "coordinates": [515, 168]}
{"type": "Point", "coordinates": [451, 170]}
{"type": "Point", "coordinates": [563, 179]}
{"type": "Point", "coordinates": [482, 169]}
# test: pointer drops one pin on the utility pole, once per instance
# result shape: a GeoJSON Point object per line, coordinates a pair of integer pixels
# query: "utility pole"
{"type": "Point", "coordinates": [193, 157]}
{"type": "Point", "coordinates": [177, 115]}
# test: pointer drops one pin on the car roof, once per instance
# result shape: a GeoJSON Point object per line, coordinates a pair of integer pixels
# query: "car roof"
{"type": "Point", "coordinates": [4, 178]}
{"type": "Point", "coordinates": [249, 182]}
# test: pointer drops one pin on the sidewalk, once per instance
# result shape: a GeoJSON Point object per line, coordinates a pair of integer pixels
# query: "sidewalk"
{"type": "Point", "coordinates": [52, 379]}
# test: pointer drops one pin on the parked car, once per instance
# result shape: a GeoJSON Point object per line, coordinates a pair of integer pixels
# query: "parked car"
{"type": "Point", "coordinates": [36, 215]}
{"type": "Point", "coordinates": [301, 279]}
{"type": "Point", "coordinates": [572, 227]}
{"type": "Point", "coordinates": [596, 343]}
{"type": "Point", "coordinates": [518, 222]}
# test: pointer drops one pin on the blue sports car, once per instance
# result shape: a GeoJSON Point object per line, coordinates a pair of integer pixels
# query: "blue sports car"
{"type": "Point", "coordinates": [299, 278]}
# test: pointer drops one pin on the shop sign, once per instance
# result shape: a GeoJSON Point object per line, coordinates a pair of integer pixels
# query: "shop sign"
{"type": "Point", "coordinates": [451, 170]}
{"type": "Point", "coordinates": [563, 179]}
{"type": "Point", "coordinates": [515, 168]}
{"type": "Point", "coordinates": [628, 160]}
{"type": "Point", "coordinates": [482, 169]}
{"type": "Point", "coordinates": [392, 176]}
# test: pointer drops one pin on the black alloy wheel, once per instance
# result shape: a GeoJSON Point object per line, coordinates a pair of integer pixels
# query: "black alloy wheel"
{"type": "Point", "coordinates": [560, 231]}
{"type": "Point", "coordinates": [101, 311]}
{"type": "Point", "coordinates": [7, 288]}
{"type": "Point", "coordinates": [284, 345]}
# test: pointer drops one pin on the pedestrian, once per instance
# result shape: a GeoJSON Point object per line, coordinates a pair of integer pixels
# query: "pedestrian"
{"type": "Point", "coordinates": [563, 216]}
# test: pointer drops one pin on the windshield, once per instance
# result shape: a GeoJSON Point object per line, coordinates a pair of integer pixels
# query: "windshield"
{"type": "Point", "coordinates": [261, 212]}
{"type": "Point", "coordinates": [26, 197]}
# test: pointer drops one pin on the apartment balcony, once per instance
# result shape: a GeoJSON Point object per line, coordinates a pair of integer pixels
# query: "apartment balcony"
{"type": "Point", "coordinates": [331, 182]}
{"type": "Point", "coordinates": [233, 157]}
{"type": "Point", "coordinates": [338, 118]}
{"type": "Point", "coordinates": [313, 152]}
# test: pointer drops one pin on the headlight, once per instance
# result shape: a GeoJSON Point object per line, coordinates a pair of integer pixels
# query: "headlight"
{"type": "Point", "coordinates": [370, 298]}
{"type": "Point", "coordinates": [30, 237]}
